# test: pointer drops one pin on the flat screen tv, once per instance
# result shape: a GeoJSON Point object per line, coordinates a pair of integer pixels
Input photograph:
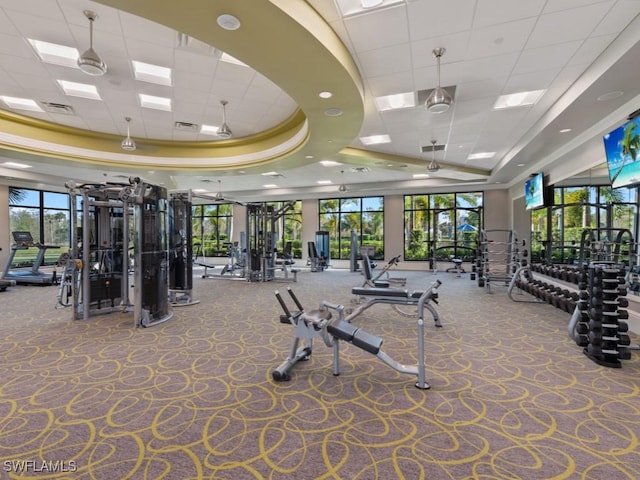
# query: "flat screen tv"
{"type": "Point", "coordinates": [621, 147]}
{"type": "Point", "coordinates": [534, 191]}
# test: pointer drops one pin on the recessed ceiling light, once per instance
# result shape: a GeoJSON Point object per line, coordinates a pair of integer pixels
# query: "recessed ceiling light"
{"type": "Point", "coordinates": [270, 185]}
{"type": "Point", "coordinates": [146, 72]}
{"type": "Point", "coordinates": [82, 90]}
{"type": "Point", "coordinates": [520, 99]}
{"type": "Point", "coordinates": [21, 103]}
{"type": "Point", "coordinates": [565, 130]}
{"type": "Point", "coordinates": [521, 165]}
{"type": "Point", "coordinates": [375, 139]}
{"type": "Point", "coordinates": [270, 174]}
{"type": "Point", "coordinates": [199, 190]}
{"type": "Point", "coordinates": [308, 157]}
{"type": "Point", "coordinates": [56, 54]}
{"type": "Point", "coordinates": [324, 182]}
{"type": "Point", "coordinates": [329, 163]}
{"type": "Point", "coordinates": [228, 22]}
{"type": "Point", "coordinates": [396, 101]}
{"type": "Point", "coordinates": [157, 103]}
{"type": "Point", "coordinates": [420, 175]}
{"type": "Point", "coordinates": [325, 94]}
{"type": "Point", "coordinates": [479, 155]}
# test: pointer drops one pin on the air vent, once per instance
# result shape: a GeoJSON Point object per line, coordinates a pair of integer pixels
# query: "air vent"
{"type": "Point", "coordinates": [58, 108]}
{"type": "Point", "coordinates": [424, 94]}
{"type": "Point", "coordinates": [431, 148]}
{"type": "Point", "coordinates": [360, 169]}
{"type": "Point", "coordinates": [190, 127]}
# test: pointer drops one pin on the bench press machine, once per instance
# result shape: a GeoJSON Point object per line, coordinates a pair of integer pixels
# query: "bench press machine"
{"type": "Point", "coordinates": [321, 324]}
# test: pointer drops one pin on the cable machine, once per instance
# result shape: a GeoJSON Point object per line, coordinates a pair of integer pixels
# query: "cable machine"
{"type": "Point", "coordinates": [262, 238]}
{"type": "Point", "coordinates": [97, 270]}
{"type": "Point", "coordinates": [181, 249]}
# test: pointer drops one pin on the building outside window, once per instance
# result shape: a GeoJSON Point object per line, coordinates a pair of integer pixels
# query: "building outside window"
{"type": "Point", "coordinates": [442, 226]}
{"type": "Point", "coordinates": [46, 215]}
{"type": "Point", "coordinates": [362, 215]}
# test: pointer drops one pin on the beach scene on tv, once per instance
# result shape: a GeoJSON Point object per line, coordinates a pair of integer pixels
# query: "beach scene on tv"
{"type": "Point", "coordinates": [621, 149]}
{"type": "Point", "coordinates": [533, 192]}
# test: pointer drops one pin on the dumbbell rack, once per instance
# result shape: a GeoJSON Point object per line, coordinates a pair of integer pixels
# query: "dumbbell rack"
{"type": "Point", "coordinates": [601, 313]}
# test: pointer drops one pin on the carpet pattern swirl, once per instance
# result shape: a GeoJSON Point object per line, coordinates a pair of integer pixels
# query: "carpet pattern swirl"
{"type": "Point", "coordinates": [511, 397]}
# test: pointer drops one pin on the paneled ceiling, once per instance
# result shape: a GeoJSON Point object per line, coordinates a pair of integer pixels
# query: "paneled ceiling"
{"type": "Point", "coordinates": [582, 54]}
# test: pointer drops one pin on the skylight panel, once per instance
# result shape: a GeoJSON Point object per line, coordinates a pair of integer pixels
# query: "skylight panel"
{"type": "Point", "coordinates": [17, 103]}
{"type": "Point", "coordinates": [520, 99]}
{"type": "Point", "coordinates": [375, 139]}
{"type": "Point", "coordinates": [146, 72]}
{"type": "Point", "coordinates": [157, 103]}
{"type": "Point", "coordinates": [82, 90]}
{"type": "Point", "coordinates": [395, 101]}
{"type": "Point", "coordinates": [55, 54]}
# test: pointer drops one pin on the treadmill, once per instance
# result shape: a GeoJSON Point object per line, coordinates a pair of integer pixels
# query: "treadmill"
{"type": "Point", "coordinates": [4, 284]}
{"type": "Point", "coordinates": [23, 241]}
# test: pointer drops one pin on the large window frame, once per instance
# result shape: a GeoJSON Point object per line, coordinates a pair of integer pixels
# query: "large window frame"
{"type": "Point", "coordinates": [363, 215]}
{"type": "Point", "coordinates": [212, 229]}
{"type": "Point", "coordinates": [46, 215]}
{"type": "Point", "coordinates": [556, 230]}
{"type": "Point", "coordinates": [442, 226]}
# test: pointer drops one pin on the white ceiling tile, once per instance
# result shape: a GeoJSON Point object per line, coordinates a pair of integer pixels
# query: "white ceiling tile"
{"type": "Point", "coordinates": [537, 80]}
{"type": "Point", "coordinates": [622, 12]}
{"type": "Point", "coordinates": [543, 58]}
{"type": "Point", "coordinates": [386, 60]}
{"type": "Point", "coordinates": [480, 89]}
{"type": "Point", "coordinates": [390, 26]}
{"type": "Point", "coordinates": [591, 49]}
{"type": "Point", "coordinates": [438, 18]}
{"type": "Point", "coordinates": [491, 12]}
{"type": "Point", "coordinates": [558, 5]}
{"type": "Point", "coordinates": [497, 67]}
{"type": "Point", "coordinates": [551, 28]}
{"type": "Point", "coordinates": [500, 39]}
{"type": "Point", "coordinates": [398, 82]}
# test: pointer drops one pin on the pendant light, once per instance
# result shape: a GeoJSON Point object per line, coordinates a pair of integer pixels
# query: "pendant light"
{"type": "Point", "coordinates": [128, 144]}
{"type": "Point", "coordinates": [224, 131]}
{"type": "Point", "coordinates": [433, 165]}
{"type": "Point", "coordinates": [342, 187]}
{"type": "Point", "coordinates": [439, 99]}
{"type": "Point", "coordinates": [90, 62]}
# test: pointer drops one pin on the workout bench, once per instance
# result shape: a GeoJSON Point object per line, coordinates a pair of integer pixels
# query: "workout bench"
{"type": "Point", "coordinates": [320, 323]}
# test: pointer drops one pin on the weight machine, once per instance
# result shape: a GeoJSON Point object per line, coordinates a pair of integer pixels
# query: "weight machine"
{"type": "Point", "coordinates": [262, 238]}
{"type": "Point", "coordinates": [97, 270]}
{"type": "Point", "coordinates": [181, 251]}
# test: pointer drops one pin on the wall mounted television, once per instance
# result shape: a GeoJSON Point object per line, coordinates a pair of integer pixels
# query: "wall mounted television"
{"type": "Point", "coordinates": [622, 151]}
{"type": "Point", "coordinates": [534, 191]}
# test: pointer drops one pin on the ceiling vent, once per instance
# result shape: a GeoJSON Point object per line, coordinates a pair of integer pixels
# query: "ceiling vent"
{"type": "Point", "coordinates": [432, 148]}
{"type": "Point", "coordinates": [360, 169]}
{"type": "Point", "coordinates": [52, 107]}
{"type": "Point", "coordinates": [187, 126]}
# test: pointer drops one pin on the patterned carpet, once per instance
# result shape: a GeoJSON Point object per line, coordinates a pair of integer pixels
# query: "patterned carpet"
{"type": "Point", "coordinates": [511, 396]}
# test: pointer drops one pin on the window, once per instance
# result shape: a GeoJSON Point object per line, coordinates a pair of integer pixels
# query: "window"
{"type": "Point", "coordinates": [289, 228]}
{"type": "Point", "coordinates": [46, 215]}
{"type": "Point", "coordinates": [442, 226]}
{"type": "Point", "coordinates": [212, 229]}
{"type": "Point", "coordinates": [556, 232]}
{"type": "Point", "coordinates": [362, 215]}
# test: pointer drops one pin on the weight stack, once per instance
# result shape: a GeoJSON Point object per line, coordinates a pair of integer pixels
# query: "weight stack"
{"type": "Point", "coordinates": [602, 303]}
